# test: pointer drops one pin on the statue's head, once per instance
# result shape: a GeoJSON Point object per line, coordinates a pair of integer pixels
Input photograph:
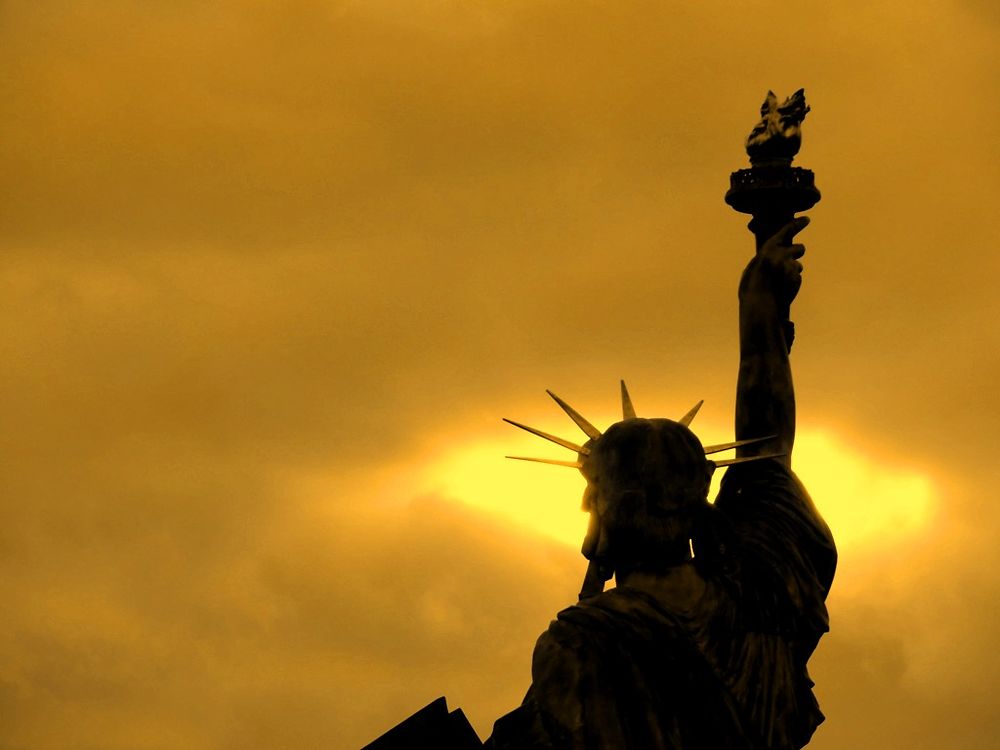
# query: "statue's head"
{"type": "Point", "coordinates": [647, 480]}
{"type": "Point", "coordinates": [647, 486]}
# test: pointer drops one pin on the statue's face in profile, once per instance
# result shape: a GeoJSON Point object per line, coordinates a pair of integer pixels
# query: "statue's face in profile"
{"type": "Point", "coordinates": [644, 478]}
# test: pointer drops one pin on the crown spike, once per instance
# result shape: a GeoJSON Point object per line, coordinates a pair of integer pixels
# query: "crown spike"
{"type": "Point", "coordinates": [745, 459]}
{"type": "Point", "coordinates": [686, 419]}
{"type": "Point", "coordinates": [552, 461]}
{"type": "Point", "coordinates": [736, 444]}
{"type": "Point", "coordinates": [589, 430]}
{"type": "Point", "coordinates": [547, 436]}
{"type": "Point", "coordinates": [628, 411]}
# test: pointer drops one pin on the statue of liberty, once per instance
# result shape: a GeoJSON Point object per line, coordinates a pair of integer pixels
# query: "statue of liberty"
{"type": "Point", "coordinates": [703, 643]}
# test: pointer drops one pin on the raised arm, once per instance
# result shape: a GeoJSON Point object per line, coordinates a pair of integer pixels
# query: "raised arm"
{"type": "Point", "coordinates": [765, 398]}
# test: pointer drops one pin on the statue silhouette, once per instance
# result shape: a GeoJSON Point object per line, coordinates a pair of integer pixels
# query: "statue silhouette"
{"type": "Point", "coordinates": [703, 643]}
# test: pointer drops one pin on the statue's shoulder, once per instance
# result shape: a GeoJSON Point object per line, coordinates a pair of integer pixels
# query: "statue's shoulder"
{"type": "Point", "coordinates": [619, 616]}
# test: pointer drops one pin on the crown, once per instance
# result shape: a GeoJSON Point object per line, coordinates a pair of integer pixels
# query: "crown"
{"type": "Point", "coordinates": [628, 412]}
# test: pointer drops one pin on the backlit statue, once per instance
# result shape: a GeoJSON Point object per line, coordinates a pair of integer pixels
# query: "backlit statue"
{"type": "Point", "coordinates": [703, 642]}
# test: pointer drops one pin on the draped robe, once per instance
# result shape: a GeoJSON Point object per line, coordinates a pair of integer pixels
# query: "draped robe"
{"type": "Point", "coordinates": [626, 670]}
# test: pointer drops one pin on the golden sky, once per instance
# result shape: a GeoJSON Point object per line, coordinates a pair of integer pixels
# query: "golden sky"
{"type": "Point", "coordinates": [271, 273]}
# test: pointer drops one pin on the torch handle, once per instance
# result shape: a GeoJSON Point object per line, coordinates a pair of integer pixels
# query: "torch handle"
{"type": "Point", "coordinates": [765, 225]}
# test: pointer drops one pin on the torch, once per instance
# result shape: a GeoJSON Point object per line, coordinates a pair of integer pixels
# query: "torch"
{"type": "Point", "coordinates": [772, 190]}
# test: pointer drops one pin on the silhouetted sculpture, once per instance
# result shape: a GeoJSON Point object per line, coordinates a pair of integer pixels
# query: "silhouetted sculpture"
{"type": "Point", "coordinates": [703, 643]}
{"type": "Point", "coordinates": [772, 189]}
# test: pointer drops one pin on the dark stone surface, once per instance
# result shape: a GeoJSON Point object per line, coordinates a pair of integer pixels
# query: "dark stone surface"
{"type": "Point", "coordinates": [432, 728]}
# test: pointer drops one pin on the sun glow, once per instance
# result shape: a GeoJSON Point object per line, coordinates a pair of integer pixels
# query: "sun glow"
{"type": "Point", "coordinates": [544, 499]}
{"type": "Point", "coordinates": [863, 500]}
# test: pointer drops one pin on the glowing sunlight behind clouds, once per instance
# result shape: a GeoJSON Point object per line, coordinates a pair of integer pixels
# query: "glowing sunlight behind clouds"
{"type": "Point", "coordinates": [544, 499]}
{"type": "Point", "coordinates": [273, 272]}
{"type": "Point", "coordinates": [862, 499]}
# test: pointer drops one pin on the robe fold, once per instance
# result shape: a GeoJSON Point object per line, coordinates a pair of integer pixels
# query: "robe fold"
{"type": "Point", "coordinates": [624, 670]}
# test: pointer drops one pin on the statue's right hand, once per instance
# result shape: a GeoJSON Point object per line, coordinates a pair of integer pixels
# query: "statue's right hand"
{"type": "Point", "coordinates": [776, 270]}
